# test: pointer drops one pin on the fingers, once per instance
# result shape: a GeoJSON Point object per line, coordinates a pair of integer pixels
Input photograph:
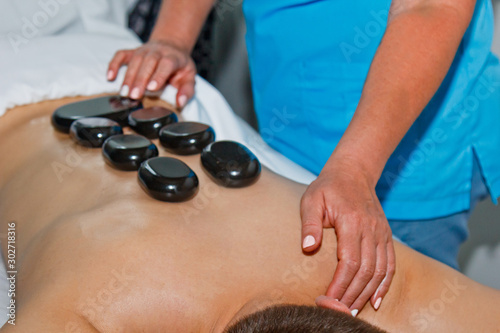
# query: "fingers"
{"type": "Point", "coordinates": [151, 67]}
{"type": "Point", "coordinates": [144, 73]}
{"type": "Point", "coordinates": [164, 70]}
{"type": "Point", "coordinates": [312, 215]}
{"type": "Point", "coordinates": [133, 67]}
{"type": "Point", "coordinates": [365, 253]}
{"type": "Point", "coordinates": [354, 284]}
{"type": "Point", "coordinates": [349, 254]}
{"type": "Point", "coordinates": [383, 288]}
{"type": "Point", "coordinates": [120, 58]}
{"type": "Point", "coordinates": [374, 277]}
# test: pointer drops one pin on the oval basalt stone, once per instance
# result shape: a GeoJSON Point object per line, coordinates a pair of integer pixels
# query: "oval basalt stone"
{"type": "Point", "coordinates": [127, 152]}
{"type": "Point", "coordinates": [149, 121]}
{"type": "Point", "coordinates": [230, 164]}
{"type": "Point", "coordinates": [92, 132]}
{"type": "Point", "coordinates": [168, 179]}
{"type": "Point", "coordinates": [186, 138]}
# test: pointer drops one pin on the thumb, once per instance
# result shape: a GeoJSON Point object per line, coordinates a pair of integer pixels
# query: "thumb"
{"type": "Point", "coordinates": [333, 304]}
{"type": "Point", "coordinates": [312, 224]}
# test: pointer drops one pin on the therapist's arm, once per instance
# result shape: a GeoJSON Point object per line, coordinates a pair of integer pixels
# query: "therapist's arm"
{"type": "Point", "coordinates": [166, 57]}
{"type": "Point", "coordinates": [412, 60]}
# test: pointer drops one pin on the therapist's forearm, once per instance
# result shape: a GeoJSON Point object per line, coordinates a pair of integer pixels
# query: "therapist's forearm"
{"type": "Point", "coordinates": [180, 22]}
{"type": "Point", "coordinates": [412, 60]}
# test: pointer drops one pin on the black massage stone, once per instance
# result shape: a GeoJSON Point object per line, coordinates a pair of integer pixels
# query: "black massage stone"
{"type": "Point", "coordinates": [127, 152]}
{"type": "Point", "coordinates": [149, 121]}
{"type": "Point", "coordinates": [92, 132]}
{"type": "Point", "coordinates": [186, 138]}
{"type": "Point", "coordinates": [230, 164]}
{"type": "Point", "coordinates": [168, 179]}
{"type": "Point", "coordinates": [112, 107]}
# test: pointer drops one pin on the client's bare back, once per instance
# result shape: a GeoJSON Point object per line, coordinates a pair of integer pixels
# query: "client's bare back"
{"type": "Point", "coordinates": [80, 223]}
{"type": "Point", "coordinates": [96, 253]}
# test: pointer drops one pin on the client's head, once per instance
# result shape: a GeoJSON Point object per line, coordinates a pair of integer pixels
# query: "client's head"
{"type": "Point", "coordinates": [300, 319]}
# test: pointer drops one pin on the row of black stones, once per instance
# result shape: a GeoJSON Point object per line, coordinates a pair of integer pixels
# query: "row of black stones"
{"type": "Point", "coordinates": [168, 179]}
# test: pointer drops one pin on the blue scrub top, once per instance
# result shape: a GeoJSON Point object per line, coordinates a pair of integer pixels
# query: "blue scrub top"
{"type": "Point", "coordinates": [309, 60]}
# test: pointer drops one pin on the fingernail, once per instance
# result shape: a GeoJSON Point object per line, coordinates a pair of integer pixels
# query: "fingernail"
{"type": "Point", "coordinates": [135, 93]}
{"type": "Point", "coordinates": [182, 101]}
{"type": "Point", "coordinates": [110, 75]}
{"type": "Point", "coordinates": [152, 85]}
{"type": "Point", "coordinates": [377, 303]}
{"type": "Point", "coordinates": [124, 91]}
{"type": "Point", "coordinates": [308, 241]}
{"type": "Point", "coordinates": [354, 312]}
{"type": "Point", "coordinates": [380, 285]}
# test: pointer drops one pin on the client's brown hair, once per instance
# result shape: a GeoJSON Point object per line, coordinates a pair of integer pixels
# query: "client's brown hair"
{"type": "Point", "coordinates": [300, 319]}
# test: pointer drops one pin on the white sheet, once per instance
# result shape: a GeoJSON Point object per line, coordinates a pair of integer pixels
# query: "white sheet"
{"type": "Point", "coordinates": [25, 20]}
{"type": "Point", "coordinates": [53, 67]}
{"type": "Point", "coordinates": [69, 58]}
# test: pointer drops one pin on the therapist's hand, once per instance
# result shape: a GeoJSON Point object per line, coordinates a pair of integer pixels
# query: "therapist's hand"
{"type": "Point", "coordinates": [343, 197]}
{"type": "Point", "coordinates": [152, 66]}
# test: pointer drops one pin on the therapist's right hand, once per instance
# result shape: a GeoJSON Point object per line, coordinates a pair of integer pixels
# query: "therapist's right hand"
{"type": "Point", "coordinates": [152, 66]}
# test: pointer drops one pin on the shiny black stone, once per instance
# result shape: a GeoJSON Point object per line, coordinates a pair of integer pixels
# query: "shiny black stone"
{"type": "Point", "coordinates": [230, 164]}
{"type": "Point", "coordinates": [186, 138]}
{"type": "Point", "coordinates": [149, 121]}
{"type": "Point", "coordinates": [127, 152]}
{"type": "Point", "coordinates": [168, 179]}
{"type": "Point", "coordinates": [112, 107]}
{"type": "Point", "coordinates": [92, 132]}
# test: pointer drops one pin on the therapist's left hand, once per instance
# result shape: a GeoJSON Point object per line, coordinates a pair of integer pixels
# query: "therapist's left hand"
{"type": "Point", "coordinates": [343, 197]}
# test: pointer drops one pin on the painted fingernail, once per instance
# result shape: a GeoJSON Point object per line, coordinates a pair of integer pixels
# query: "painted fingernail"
{"type": "Point", "coordinates": [152, 85]}
{"type": "Point", "coordinates": [354, 312]}
{"type": "Point", "coordinates": [124, 91]}
{"type": "Point", "coordinates": [110, 75]}
{"type": "Point", "coordinates": [135, 93]}
{"type": "Point", "coordinates": [182, 101]}
{"type": "Point", "coordinates": [380, 285]}
{"type": "Point", "coordinates": [377, 303]}
{"type": "Point", "coordinates": [308, 241]}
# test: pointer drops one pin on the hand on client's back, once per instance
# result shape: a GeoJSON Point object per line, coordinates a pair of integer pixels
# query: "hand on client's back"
{"type": "Point", "coordinates": [343, 197]}
{"type": "Point", "coordinates": [152, 66]}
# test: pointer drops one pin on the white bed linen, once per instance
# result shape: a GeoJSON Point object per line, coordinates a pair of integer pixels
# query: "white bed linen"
{"type": "Point", "coordinates": [71, 65]}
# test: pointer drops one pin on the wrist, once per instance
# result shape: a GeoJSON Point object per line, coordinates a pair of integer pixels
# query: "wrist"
{"type": "Point", "coordinates": [172, 40]}
{"type": "Point", "coordinates": [356, 166]}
